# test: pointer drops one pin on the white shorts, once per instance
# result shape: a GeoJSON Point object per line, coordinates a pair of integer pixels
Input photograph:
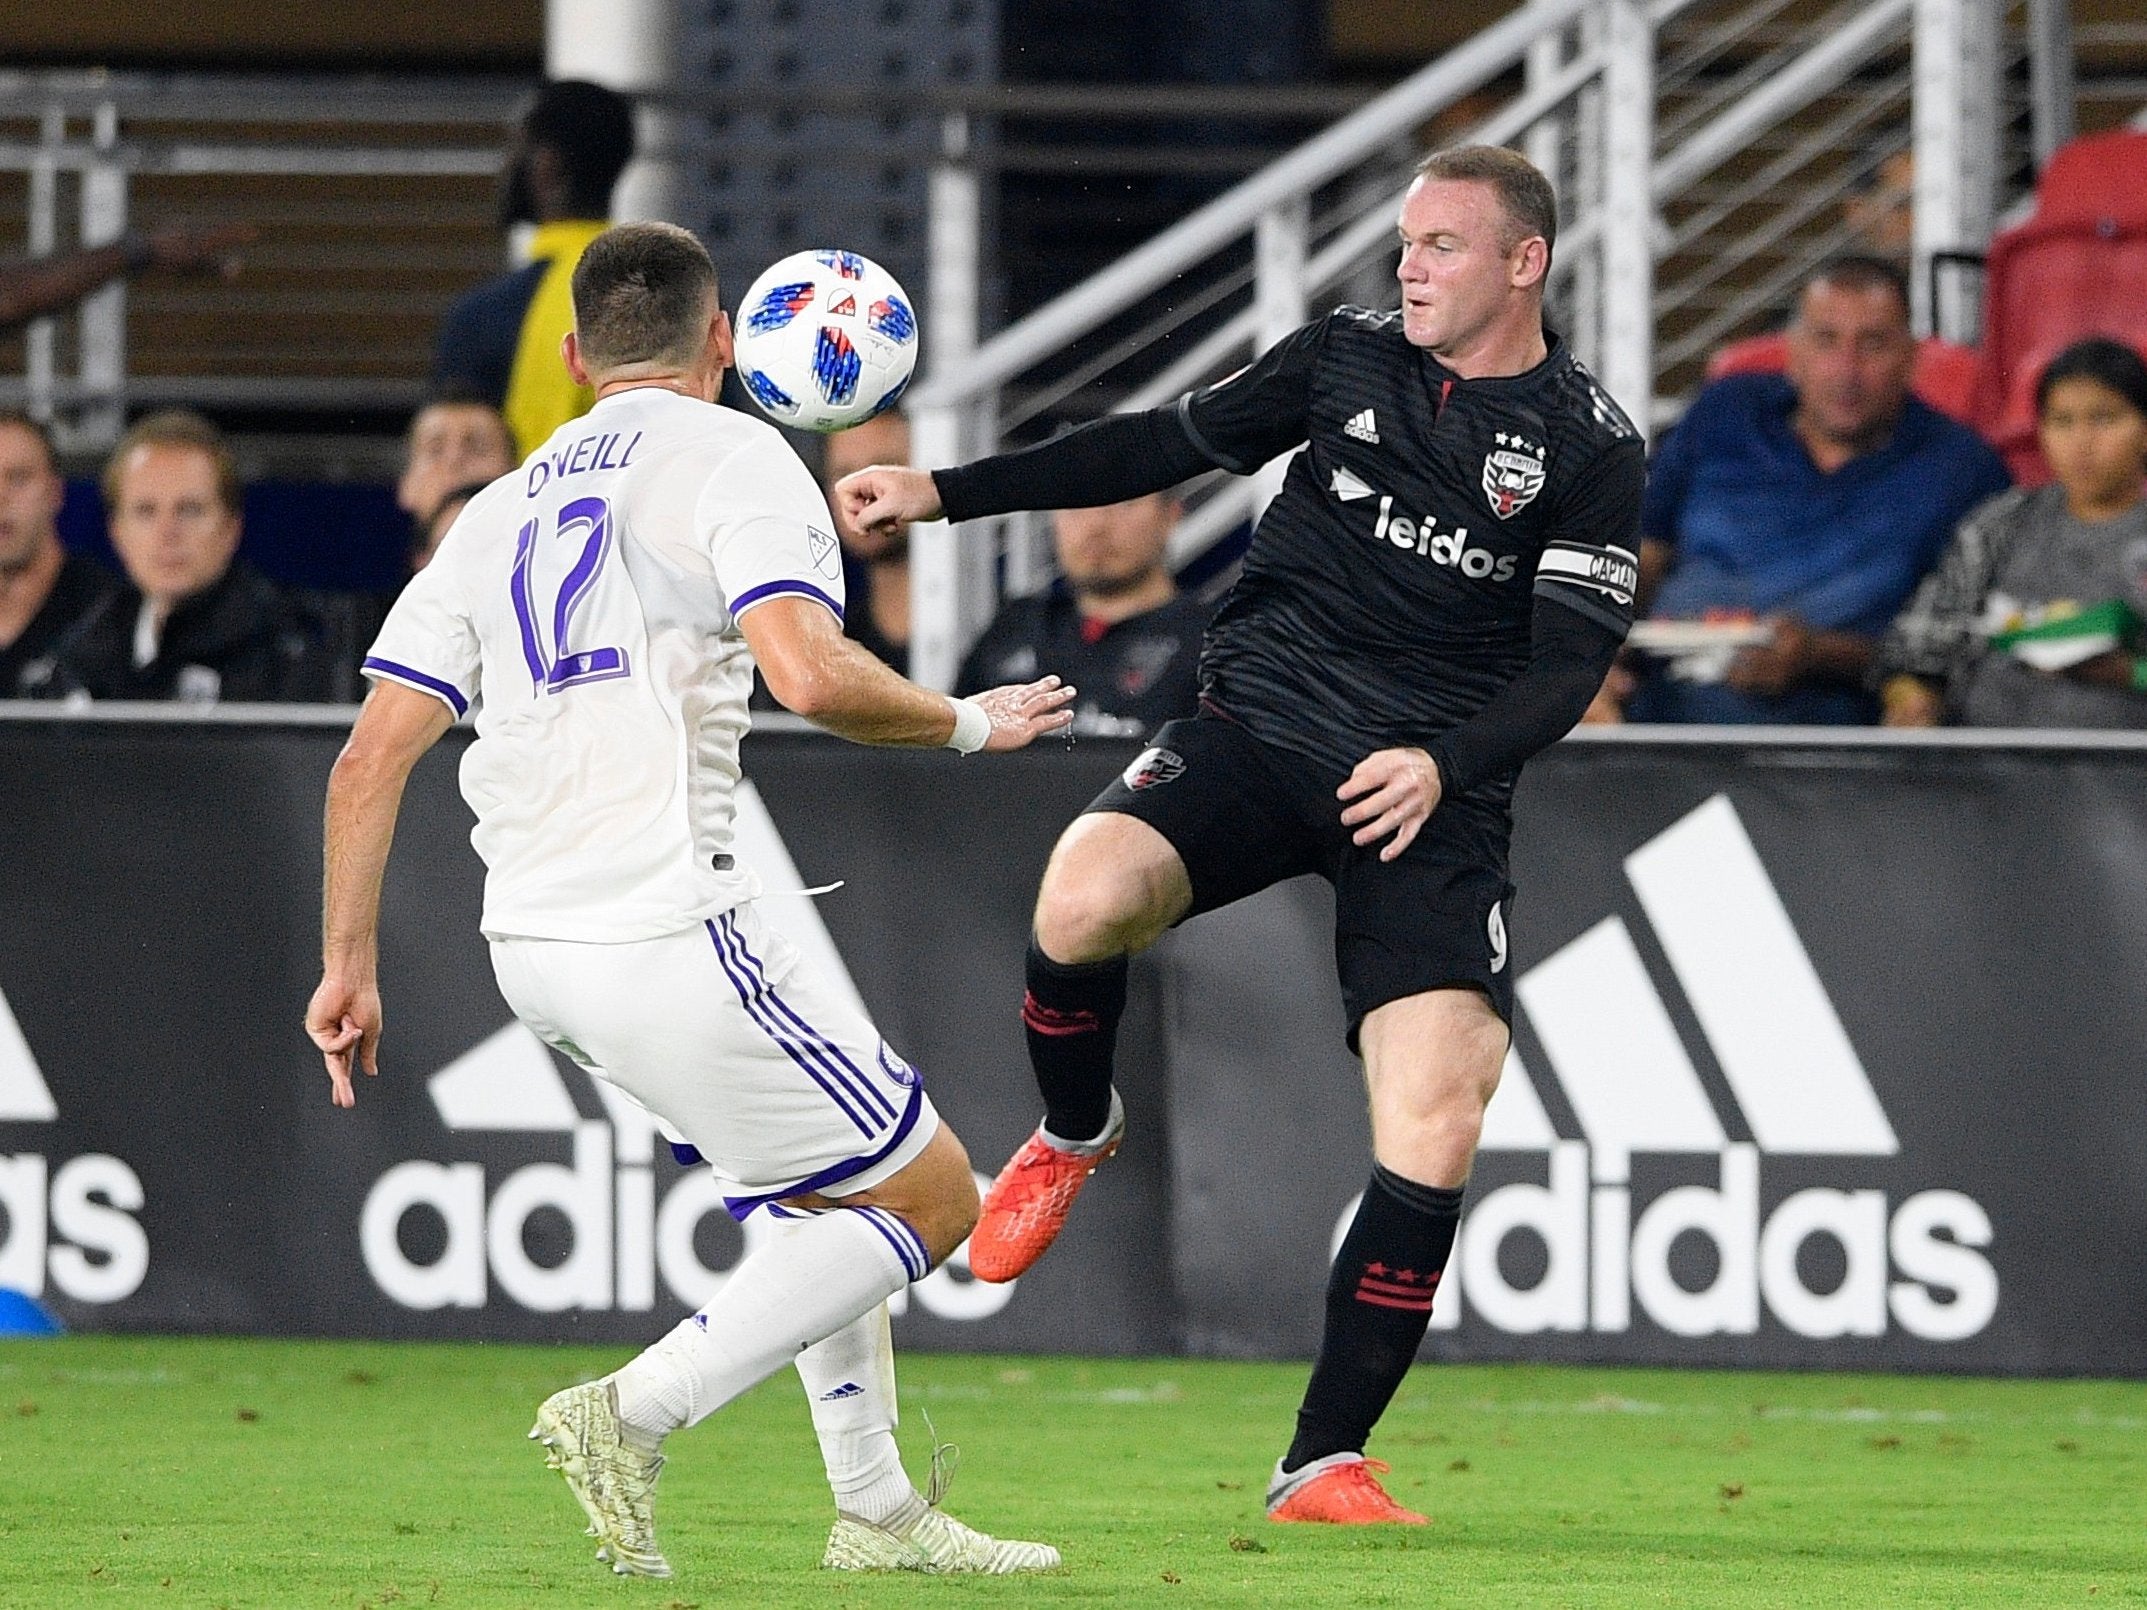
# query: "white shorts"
{"type": "Point", "coordinates": [722, 1034]}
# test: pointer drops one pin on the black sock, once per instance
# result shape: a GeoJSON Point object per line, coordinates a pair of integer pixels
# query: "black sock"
{"type": "Point", "coordinates": [1071, 1016]}
{"type": "Point", "coordinates": [1378, 1304]}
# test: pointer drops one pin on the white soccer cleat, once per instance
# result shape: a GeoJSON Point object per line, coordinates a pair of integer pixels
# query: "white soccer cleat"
{"type": "Point", "coordinates": [929, 1540]}
{"type": "Point", "coordinates": [614, 1483]}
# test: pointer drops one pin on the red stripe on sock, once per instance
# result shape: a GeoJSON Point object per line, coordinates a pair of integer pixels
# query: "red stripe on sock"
{"type": "Point", "coordinates": [1420, 1305]}
{"type": "Point", "coordinates": [1049, 1020]}
{"type": "Point", "coordinates": [1392, 1289]}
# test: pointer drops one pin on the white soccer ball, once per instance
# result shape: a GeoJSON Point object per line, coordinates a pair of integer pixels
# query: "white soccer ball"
{"type": "Point", "coordinates": [825, 340]}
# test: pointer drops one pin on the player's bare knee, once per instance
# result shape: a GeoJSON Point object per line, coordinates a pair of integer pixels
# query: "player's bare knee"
{"type": "Point", "coordinates": [936, 1194]}
{"type": "Point", "coordinates": [1081, 919]}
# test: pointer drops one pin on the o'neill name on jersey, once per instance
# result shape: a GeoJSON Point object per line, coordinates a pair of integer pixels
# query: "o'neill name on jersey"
{"type": "Point", "coordinates": [624, 1240]}
{"type": "Point", "coordinates": [1633, 1090]}
{"type": "Point", "coordinates": [75, 1223]}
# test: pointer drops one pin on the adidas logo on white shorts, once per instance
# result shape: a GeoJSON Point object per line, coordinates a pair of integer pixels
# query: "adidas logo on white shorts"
{"type": "Point", "coordinates": [1363, 427]}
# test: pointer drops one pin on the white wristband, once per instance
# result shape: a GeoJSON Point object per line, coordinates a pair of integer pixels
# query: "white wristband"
{"type": "Point", "coordinates": [971, 726]}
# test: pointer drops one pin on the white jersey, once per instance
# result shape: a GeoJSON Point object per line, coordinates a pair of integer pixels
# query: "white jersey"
{"type": "Point", "coordinates": [588, 606]}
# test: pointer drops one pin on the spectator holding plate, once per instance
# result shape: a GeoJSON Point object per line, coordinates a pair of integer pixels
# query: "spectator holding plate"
{"type": "Point", "coordinates": [2033, 617]}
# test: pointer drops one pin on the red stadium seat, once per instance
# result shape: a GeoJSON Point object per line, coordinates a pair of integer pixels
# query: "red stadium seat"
{"type": "Point", "coordinates": [2077, 268]}
{"type": "Point", "coordinates": [1945, 374]}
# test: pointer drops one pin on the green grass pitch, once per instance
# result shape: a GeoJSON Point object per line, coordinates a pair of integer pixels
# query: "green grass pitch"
{"type": "Point", "coordinates": [257, 1474]}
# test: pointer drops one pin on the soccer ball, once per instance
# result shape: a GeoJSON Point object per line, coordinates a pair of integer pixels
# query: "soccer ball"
{"type": "Point", "coordinates": [825, 340]}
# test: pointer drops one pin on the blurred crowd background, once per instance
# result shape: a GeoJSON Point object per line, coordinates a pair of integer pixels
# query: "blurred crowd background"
{"type": "Point", "coordinates": [287, 289]}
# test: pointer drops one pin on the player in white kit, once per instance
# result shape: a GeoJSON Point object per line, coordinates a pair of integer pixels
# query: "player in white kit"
{"type": "Point", "coordinates": [602, 609]}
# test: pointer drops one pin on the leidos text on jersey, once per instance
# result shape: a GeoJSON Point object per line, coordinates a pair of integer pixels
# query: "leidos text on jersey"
{"type": "Point", "coordinates": [1450, 548]}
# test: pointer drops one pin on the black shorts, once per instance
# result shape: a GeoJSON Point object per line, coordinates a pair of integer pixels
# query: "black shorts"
{"type": "Point", "coordinates": [1243, 814]}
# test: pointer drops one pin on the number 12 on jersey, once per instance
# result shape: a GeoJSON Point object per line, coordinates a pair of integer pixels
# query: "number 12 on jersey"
{"type": "Point", "coordinates": [565, 667]}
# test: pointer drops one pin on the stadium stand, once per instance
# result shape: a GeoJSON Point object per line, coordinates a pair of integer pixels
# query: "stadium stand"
{"type": "Point", "coordinates": [2077, 267]}
{"type": "Point", "coordinates": [1944, 377]}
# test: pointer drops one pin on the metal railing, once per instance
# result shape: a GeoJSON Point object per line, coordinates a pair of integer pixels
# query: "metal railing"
{"type": "Point", "coordinates": [1700, 148]}
{"type": "Point", "coordinates": [374, 198]}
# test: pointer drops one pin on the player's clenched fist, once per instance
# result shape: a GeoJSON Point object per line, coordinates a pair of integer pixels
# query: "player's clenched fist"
{"type": "Point", "coordinates": [1395, 791]}
{"type": "Point", "coordinates": [879, 499]}
{"type": "Point", "coordinates": [1023, 711]}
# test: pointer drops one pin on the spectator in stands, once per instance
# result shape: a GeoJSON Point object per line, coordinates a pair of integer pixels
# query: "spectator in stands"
{"type": "Point", "coordinates": [501, 341]}
{"type": "Point", "coordinates": [1115, 626]}
{"type": "Point", "coordinates": [32, 287]}
{"type": "Point", "coordinates": [877, 613]}
{"type": "Point", "coordinates": [1880, 209]}
{"type": "Point", "coordinates": [195, 623]}
{"type": "Point", "coordinates": [2063, 566]}
{"type": "Point", "coordinates": [454, 440]}
{"type": "Point", "coordinates": [448, 511]}
{"type": "Point", "coordinates": [1812, 501]}
{"type": "Point", "coordinates": [44, 591]}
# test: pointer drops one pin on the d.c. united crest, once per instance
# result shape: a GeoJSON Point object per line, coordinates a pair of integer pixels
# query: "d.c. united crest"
{"type": "Point", "coordinates": [1513, 474]}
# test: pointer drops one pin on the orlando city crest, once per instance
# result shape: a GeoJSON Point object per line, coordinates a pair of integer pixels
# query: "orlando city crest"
{"type": "Point", "coordinates": [1513, 474]}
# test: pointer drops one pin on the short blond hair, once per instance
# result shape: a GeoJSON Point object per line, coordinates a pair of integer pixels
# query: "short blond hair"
{"type": "Point", "coordinates": [176, 427]}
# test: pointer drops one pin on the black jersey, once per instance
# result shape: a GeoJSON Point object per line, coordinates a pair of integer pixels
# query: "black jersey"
{"type": "Point", "coordinates": [1134, 674]}
{"type": "Point", "coordinates": [1388, 591]}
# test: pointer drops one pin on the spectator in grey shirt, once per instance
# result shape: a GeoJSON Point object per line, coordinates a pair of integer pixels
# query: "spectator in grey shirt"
{"type": "Point", "coordinates": [2041, 555]}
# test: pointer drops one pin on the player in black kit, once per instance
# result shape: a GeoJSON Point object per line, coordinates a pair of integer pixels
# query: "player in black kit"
{"type": "Point", "coordinates": [1434, 596]}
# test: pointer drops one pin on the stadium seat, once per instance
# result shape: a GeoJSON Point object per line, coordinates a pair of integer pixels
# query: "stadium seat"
{"type": "Point", "coordinates": [2077, 267]}
{"type": "Point", "coordinates": [1944, 377]}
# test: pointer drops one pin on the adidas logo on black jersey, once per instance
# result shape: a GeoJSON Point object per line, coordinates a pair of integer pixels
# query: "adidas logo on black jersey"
{"type": "Point", "coordinates": [1363, 427]}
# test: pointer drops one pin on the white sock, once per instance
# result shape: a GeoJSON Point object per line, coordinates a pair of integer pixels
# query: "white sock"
{"type": "Point", "coordinates": [792, 1292]}
{"type": "Point", "coordinates": [850, 1382]}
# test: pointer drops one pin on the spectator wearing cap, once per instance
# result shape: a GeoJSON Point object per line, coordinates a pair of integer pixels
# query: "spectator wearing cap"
{"type": "Point", "coordinates": [1115, 625]}
{"type": "Point", "coordinates": [45, 592]}
{"type": "Point", "coordinates": [500, 343]}
{"type": "Point", "coordinates": [1808, 503]}
{"type": "Point", "coordinates": [194, 623]}
{"type": "Point", "coordinates": [2034, 616]}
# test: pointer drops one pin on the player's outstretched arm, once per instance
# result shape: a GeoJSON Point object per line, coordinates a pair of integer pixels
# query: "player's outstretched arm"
{"type": "Point", "coordinates": [886, 497]}
{"type": "Point", "coordinates": [814, 670]}
{"type": "Point", "coordinates": [365, 791]}
{"type": "Point", "coordinates": [1103, 461]}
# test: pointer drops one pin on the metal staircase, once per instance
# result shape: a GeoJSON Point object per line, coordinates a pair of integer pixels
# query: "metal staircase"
{"type": "Point", "coordinates": [1701, 149]}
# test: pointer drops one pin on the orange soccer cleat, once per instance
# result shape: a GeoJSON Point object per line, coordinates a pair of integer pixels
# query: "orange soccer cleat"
{"type": "Point", "coordinates": [1026, 1207]}
{"type": "Point", "coordinates": [1340, 1490]}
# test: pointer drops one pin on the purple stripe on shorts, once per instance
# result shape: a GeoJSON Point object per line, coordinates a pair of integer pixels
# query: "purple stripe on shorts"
{"type": "Point", "coordinates": [830, 1056]}
{"type": "Point", "coordinates": [772, 1013]}
{"type": "Point", "coordinates": [775, 1033]}
{"type": "Point", "coordinates": [868, 1091]}
{"type": "Point", "coordinates": [849, 1168]}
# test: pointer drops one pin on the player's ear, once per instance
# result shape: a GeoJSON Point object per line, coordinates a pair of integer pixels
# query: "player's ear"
{"type": "Point", "coordinates": [570, 351]}
{"type": "Point", "coordinates": [1531, 262]}
{"type": "Point", "coordinates": [719, 340]}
